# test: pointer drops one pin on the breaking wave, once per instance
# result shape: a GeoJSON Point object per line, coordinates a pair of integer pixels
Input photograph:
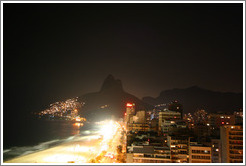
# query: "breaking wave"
{"type": "Point", "coordinates": [24, 150]}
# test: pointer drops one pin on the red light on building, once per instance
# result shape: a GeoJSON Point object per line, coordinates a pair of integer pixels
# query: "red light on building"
{"type": "Point", "coordinates": [222, 122]}
{"type": "Point", "coordinates": [129, 105]}
{"type": "Point", "coordinates": [125, 114]}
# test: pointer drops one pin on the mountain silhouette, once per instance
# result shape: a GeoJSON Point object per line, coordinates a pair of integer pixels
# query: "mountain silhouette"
{"type": "Point", "coordinates": [194, 98]}
{"type": "Point", "coordinates": [111, 84]}
{"type": "Point", "coordinates": [109, 101]}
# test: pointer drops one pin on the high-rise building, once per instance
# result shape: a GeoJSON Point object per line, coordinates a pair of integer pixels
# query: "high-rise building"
{"type": "Point", "coordinates": [153, 125]}
{"type": "Point", "coordinates": [231, 137]}
{"type": "Point", "coordinates": [138, 122]}
{"type": "Point", "coordinates": [216, 150]}
{"type": "Point", "coordinates": [179, 148]}
{"type": "Point", "coordinates": [130, 111]}
{"type": "Point", "coordinates": [166, 119]}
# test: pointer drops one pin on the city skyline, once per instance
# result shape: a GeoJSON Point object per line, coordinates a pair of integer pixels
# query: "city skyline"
{"type": "Point", "coordinates": [123, 82]}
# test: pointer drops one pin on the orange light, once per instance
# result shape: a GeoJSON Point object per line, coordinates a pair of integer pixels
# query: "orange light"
{"type": "Point", "coordinates": [129, 105]}
{"type": "Point", "coordinates": [125, 113]}
{"type": "Point", "coordinates": [78, 119]}
{"type": "Point", "coordinates": [77, 124]}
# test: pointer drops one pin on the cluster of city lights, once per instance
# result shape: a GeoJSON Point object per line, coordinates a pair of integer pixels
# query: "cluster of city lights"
{"type": "Point", "coordinates": [68, 109]}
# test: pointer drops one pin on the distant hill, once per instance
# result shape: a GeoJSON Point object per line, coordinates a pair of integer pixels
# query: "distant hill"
{"type": "Point", "coordinates": [109, 101]}
{"type": "Point", "coordinates": [194, 98]}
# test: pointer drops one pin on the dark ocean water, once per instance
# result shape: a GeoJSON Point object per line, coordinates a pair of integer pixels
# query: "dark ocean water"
{"type": "Point", "coordinates": [28, 135]}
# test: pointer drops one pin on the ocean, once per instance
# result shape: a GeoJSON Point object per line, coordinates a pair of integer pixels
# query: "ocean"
{"type": "Point", "coordinates": [29, 135]}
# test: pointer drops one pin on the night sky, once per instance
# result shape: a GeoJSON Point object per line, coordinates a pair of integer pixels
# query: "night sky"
{"type": "Point", "coordinates": [56, 51]}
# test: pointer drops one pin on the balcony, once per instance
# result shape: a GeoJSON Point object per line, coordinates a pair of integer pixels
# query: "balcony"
{"type": "Point", "coordinates": [236, 138]}
{"type": "Point", "coordinates": [235, 143]}
{"type": "Point", "coordinates": [236, 147]}
{"type": "Point", "coordinates": [236, 133]}
{"type": "Point", "coordinates": [236, 157]}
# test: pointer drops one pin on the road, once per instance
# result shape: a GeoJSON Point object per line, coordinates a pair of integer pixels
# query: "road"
{"type": "Point", "coordinates": [80, 150]}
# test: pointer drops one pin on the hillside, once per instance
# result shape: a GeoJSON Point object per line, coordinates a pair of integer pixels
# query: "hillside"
{"type": "Point", "coordinates": [194, 98]}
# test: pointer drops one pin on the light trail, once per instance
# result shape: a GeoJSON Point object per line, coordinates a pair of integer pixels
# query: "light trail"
{"type": "Point", "coordinates": [82, 149]}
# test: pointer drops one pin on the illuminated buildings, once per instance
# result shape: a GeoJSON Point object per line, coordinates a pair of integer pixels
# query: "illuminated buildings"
{"type": "Point", "coordinates": [140, 117]}
{"type": "Point", "coordinates": [130, 108]}
{"type": "Point", "coordinates": [201, 117]}
{"type": "Point", "coordinates": [238, 117]}
{"type": "Point", "coordinates": [189, 120]}
{"type": "Point", "coordinates": [231, 137]}
{"type": "Point", "coordinates": [166, 125]}
{"type": "Point", "coordinates": [184, 150]}
{"type": "Point", "coordinates": [138, 122]}
{"type": "Point", "coordinates": [167, 114]}
{"type": "Point", "coordinates": [166, 119]}
{"type": "Point", "coordinates": [204, 147]}
{"type": "Point", "coordinates": [135, 122]}
{"type": "Point", "coordinates": [64, 110]}
{"type": "Point", "coordinates": [179, 148]}
{"type": "Point", "coordinates": [135, 127]}
{"type": "Point", "coordinates": [149, 154]}
{"type": "Point", "coordinates": [130, 111]}
{"type": "Point", "coordinates": [199, 154]}
{"type": "Point", "coordinates": [153, 125]}
{"type": "Point", "coordinates": [216, 150]}
{"type": "Point", "coordinates": [217, 120]}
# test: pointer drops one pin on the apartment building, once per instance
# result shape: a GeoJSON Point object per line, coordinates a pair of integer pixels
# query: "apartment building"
{"type": "Point", "coordinates": [231, 137]}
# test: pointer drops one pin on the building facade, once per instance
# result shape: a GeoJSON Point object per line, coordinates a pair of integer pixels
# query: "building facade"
{"type": "Point", "coordinates": [199, 154]}
{"type": "Point", "coordinates": [216, 150]}
{"type": "Point", "coordinates": [231, 137]}
{"type": "Point", "coordinates": [179, 148]}
{"type": "Point", "coordinates": [150, 154]}
{"type": "Point", "coordinates": [166, 119]}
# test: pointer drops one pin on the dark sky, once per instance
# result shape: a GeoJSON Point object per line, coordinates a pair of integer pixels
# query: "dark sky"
{"type": "Point", "coordinates": [57, 51]}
